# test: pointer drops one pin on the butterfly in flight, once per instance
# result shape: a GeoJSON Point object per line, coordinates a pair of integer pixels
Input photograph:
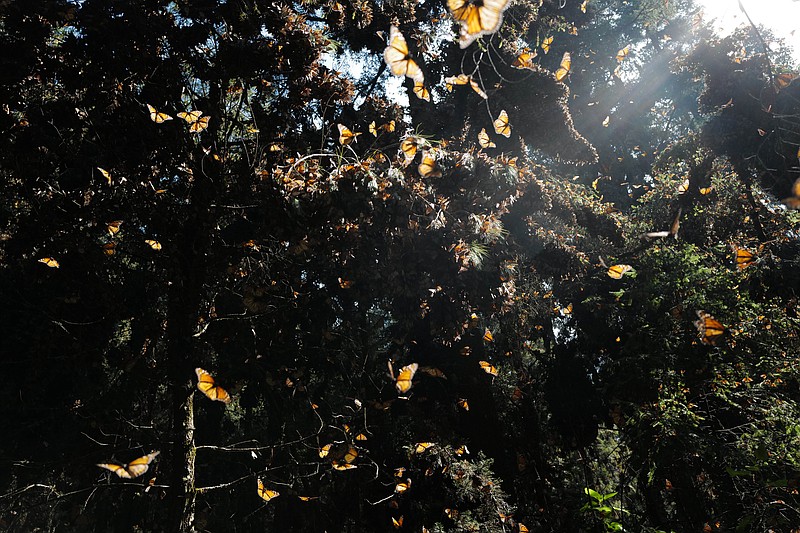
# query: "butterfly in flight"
{"type": "Point", "coordinates": [546, 44]}
{"type": "Point", "coordinates": [617, 271]}
{"type": "Point", "coordinates": [409, 148]}
{"type": "Point", "coordinates": [525, 59]}
{"type": "Point", "coordinates": [564, 67]}
{"type": "Point", "coordinates": [421, 92]}
{"type": "Point", "coordinates": [477, 17]}
{"type": "Point", "coordinates": [265, 493]}
{"type": "Point", "coordinates": [346, 136]}
{"type": "Point", "coordinates": [135, 468]}
{"type": "Point", "coordinates": [398, 59]}
{"type": "Point", "coordinates": [157, 117]}
{"type": "Point", "coordinates": [207, 385]}
{"type": "Point", "coordinates": [502, 125]}
{"type": "Point", "coordinates": [484, 140]}
{"type": "Point", "coordinates": [50, 262]}
{"type": "Point", "coordinates": [428, 168]}
{"type": "Point", "coordinates": [405, 377]}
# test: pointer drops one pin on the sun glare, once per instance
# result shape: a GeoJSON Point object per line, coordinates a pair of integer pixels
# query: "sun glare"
{"type": "Point", "coordinates": [781, 16]}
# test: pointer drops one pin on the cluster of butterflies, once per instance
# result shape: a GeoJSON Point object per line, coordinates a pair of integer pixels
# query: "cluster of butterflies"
{"type": "Point", "coordinates": [525, 59]}
{"type": "Point", "coordinates": [197, 122]}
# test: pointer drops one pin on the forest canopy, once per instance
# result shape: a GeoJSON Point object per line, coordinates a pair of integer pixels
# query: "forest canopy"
{"type": "Point", "coordinates": [348, 265]}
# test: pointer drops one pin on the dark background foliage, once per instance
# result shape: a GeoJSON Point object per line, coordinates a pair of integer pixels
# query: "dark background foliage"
{"type": "Point", "coordinates": [304, 274]}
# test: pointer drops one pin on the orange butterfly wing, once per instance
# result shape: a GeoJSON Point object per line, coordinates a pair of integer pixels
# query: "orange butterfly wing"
{"type": "Point", "coordinates": [265, 493]}
{"type": "Point", "coordinates": [710, 329]}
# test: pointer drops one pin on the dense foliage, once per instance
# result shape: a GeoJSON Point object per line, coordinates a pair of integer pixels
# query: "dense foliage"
{"type": "Point", "coordinates": [411, 329]}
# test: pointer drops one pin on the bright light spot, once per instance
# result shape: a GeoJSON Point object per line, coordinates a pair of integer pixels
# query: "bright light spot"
{"type": "Point", "coordinates": [781, 16]}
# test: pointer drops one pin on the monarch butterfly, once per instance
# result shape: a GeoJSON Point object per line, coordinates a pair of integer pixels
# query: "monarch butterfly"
{"type": "Point", "coordinates": [199, 125]}
{"type": "Point", "coordinates": [706, 190]}
{"type": "Point", "coordinates": [135, 468]}
{"type": "Point", "coordinates": [462, 450]}
{"type": "Point", "coordinates": [350, 455]}
{"type": "Point", "coordinates": [525, 59]}
{"type": "Point", "coordinates": [583, 6]}
{"type": "Point", "coordinates": [421, 447]}
{"type": "Point", "coordinates": [683, 187]}
{"type": "Point", "coordinates": [308, 498]}
{"type": "Point", "coordinates": [463, 403]}
{"type": "Point", "coordinates": [206, 385]}
{"type": "Point", "coordinates": [785, 79]}
{"type": "Point", "coordinates": [105, 174]}
{"type": "Point", "coordinates": [157, 117]}
{"type": "Point", "coordinates": [324, 451]}
{"type": "Point", "coordinates": [421, 92]}
{"type": "Point", "coordinates": [398, 59]}
{"type": "Point", "coordinates": [606, 121]}
{"type": "Point", "coordinates": [502, 126]}
{"type": "Point", "coordinates": [521, 528]}
{"type": "Point", "coordinates": [110, 248]}
{"type": "Point", "coordinates": [428, 168]}
{"type": "Point", "coordinates": [793, 201]}
{"type": "Point", "coordinates": [452, 514]}
{"type": "Point", "coordinates": [190, 116]}
{"type": "Point", "coordinates": [50, 262]}
{"type": "Point", "coordinates": [563, 69]}
{"type": "Point", "coordinates": [342, 466]}
{"type": "Point", "coordinates": [488, 368]}
{"type": "Point", "coordinates": [155, 245]}
{"type": "Point", "coordinates": [479, 18]}
{"type": "Point", "coordinates": [484, 140]}
{"type": "Point", "coordinates": [409, 148]}
{"type": "Point", "coordinates": [463, 79]}
{"type": "Point", "coordinates": [397, 522]}
{"type": "Point", "coordinates": [113, 226]}
{"type": "Point", "coordinates": [617, 271]}
{"type": "Point", "coordinates": [405, 377]}
{"type": "Point", "coordinates": [710, 329]}
{"type": "Point", "coordinates": [345, 135]}
{"type": "Point", "coordinates": [487, 336]}
{"type": "Point", "coordinates": [546, 44]}
{"type": "Point", "coordinates": [265, 493]}
{"type": "Point", "coordinates": [744, 258]}
{"type": "Point", "coordinates": [623, 53]}
{"type": "Point", "coordinates": [403, 486]}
